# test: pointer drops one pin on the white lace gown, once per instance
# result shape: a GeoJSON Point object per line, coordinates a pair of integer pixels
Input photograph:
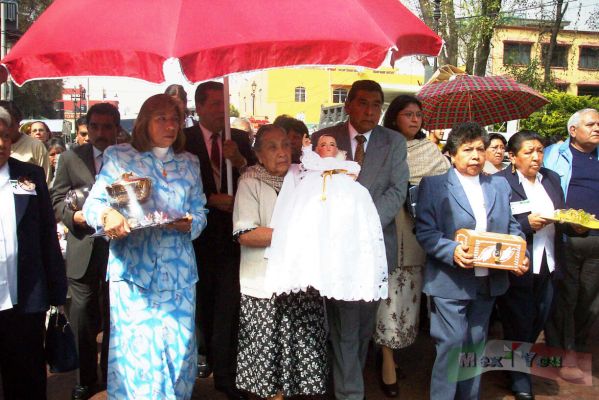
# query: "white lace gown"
{"type": "Point", "coordinates": [333, 243]}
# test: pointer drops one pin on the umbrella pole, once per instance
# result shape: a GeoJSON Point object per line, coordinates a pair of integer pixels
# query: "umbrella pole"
{"type": "Point", "coordinates": [228, 135]}
{"type": "Point", "coordinates": [469, 107]}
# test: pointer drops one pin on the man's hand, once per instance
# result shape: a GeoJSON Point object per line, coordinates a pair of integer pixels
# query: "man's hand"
{"type": "Point", "coordinates": [79, 219]}
{"type": "Point", "coordinates": [221, 201]}
{"type": "Point", "coordinates": [231, 152]}
{"type": "Point", "coordinates": [462, 258]}
{"type": "Point", "coordinates": [522, 268]}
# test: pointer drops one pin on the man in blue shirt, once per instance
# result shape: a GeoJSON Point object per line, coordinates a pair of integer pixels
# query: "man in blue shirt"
{"type": "Point", "coordinates": [577, 303]}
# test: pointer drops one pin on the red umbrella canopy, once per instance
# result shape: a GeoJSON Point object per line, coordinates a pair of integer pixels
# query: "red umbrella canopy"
{"type": "Point", "coordinates": [212, 38]}
{"type": "Point", "coordinates": [484, 99]}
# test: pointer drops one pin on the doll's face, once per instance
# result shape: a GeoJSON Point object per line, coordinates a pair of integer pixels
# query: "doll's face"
{"type": "Point", "coordinates": [327, 146]}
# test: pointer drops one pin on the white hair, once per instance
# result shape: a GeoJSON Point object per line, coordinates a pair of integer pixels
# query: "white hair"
{"type": "Point", "coordinates": [5, 116]}
{"type": "Point", "coordinates": [575, 118]}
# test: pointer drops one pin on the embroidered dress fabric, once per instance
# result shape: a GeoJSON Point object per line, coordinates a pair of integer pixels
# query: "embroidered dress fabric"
{"type": "Point", "coordinates": [326, 234]}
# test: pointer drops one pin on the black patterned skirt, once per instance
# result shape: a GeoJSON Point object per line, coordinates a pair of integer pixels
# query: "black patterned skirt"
{"type": "Point", "coordinates": [282, 345]}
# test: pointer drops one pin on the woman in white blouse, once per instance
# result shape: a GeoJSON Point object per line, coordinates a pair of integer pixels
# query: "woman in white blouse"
{"type": "Point", "coordinates": [536, 192]}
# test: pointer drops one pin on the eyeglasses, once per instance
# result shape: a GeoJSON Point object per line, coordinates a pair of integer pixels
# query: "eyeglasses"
{"type": "Point", "coordinates": [411, 115]}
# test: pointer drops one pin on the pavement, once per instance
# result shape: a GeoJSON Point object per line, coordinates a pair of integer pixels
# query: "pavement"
{"type": "Point", "coordinates": [416, 362]}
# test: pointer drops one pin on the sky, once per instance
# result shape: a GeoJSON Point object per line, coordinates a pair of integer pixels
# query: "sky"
{"type": "Point", "coordinates": [131, 93]}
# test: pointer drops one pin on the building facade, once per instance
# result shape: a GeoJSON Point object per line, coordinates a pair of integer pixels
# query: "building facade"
{"type": "Point", "coordinates": [303, 92]}
{"type": "Point", "coordinates": [574, 63]}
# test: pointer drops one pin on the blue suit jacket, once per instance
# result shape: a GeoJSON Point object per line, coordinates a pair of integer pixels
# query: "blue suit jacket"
{"type": "Point", "coordinates": [40, 268]}
{"type": "Point", "coordinates": [442, 209]}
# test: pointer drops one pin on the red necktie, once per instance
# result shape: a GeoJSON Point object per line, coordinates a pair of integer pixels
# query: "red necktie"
{"type": "Point", "coordinates": [215, 152]}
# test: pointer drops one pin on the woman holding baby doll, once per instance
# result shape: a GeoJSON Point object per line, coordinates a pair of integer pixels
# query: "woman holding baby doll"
{"type": "Point", "coordinates": [152, 271]}
{"type": "Point", "coordinates": [319, 211]}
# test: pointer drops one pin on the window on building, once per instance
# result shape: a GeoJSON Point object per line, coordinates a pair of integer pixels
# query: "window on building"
{"type": "Point", "coordinates": [516, 53]}
{"type": "Point", "coordinates": [559, 57]}
{"type": "Point", "coordinates": [588, 90]}
{"type": "Point", "coordinates": [339, 95]}
{"type": "Point", "coordinates": [300, 94]}
{"type": "Point", "coordinates": [589, 58]}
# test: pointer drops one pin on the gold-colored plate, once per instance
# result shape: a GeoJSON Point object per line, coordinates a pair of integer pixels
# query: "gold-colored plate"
{"type": "Point", "coordinates": [578, 217]}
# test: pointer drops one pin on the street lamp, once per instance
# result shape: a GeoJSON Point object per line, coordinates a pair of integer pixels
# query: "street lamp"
{"type": "Point", "coordinates": [254, 97]}
{"type": "Point", "coordinates": [76, 96]}
{"type": "Point", "coordinates": [436, 18]}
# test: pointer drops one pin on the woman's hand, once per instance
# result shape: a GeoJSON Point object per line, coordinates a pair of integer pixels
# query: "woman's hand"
{"type": "Point", "coordinates": [306, 141]}
{"type": "Point", "coordinates": [115, 224]}
{"type": "Point", "coordinates": [522, 268]}
{"type": "Point", "coordinates": [462, 258]}
{"type": "Point", "coordinates": [182, 225]}
{"type": "Point", "coordinates": [537, 222]}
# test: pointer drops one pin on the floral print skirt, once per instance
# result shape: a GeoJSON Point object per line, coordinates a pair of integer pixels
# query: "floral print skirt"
{"type": "Point", "coordinates": [152, 353]}
{"type": "Point", "coordinates": [282, 345]}
{"type": "Point", "coordinates": [398, 316]}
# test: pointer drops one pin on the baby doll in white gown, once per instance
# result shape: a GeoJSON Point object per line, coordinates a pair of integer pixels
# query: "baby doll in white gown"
{"type": "Point", "coordinates": [326, 230]}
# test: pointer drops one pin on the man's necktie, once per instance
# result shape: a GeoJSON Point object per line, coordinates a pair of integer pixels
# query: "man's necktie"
{"type": "Point", "coordinates": [99, 162]}
{"type": "Point", "coordinates": [215, 152]}
{"type": "Point", "coordinates": [215, 160]}
{"type": "Point", "coordinates": [359, 156]}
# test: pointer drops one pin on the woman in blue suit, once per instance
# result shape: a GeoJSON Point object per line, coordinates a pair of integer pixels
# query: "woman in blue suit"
{"type": "Point", "coordinates": [462, 296]}
{"type": "Point", "coordinates": [536, 191]}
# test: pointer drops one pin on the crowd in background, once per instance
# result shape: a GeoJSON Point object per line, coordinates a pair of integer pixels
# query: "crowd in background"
{"type": "Point", "coordinates": [190, 298]}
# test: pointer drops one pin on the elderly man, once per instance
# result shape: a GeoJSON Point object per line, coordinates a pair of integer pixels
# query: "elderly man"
{"type": "Point", "coordinates": [382, 155]}
{"type": "Point", "coordinates": [577, 304]}
{"type": "Point", "coordinates": [24, 147]}
{"type": "Point", "coordinates": [32, 274]}
{"type": "Point", "coordinates": [216, 254]}
{"type": "Point", "coordinates": [87, 257]}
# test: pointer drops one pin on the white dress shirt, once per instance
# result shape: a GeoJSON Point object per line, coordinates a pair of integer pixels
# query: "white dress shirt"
{"type": "Point", "coordinates": [543, 239]}
{"type": "Point", "coordinates": [8, 242]}
{"type": "Point", "coordinates": [354, 143]}
{"type": "Point", "coordinates": [476, 198]}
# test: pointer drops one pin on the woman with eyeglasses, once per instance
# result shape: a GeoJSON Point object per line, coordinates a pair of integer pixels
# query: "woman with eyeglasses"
{"type": "Point", "coordinates": [495, 153]}
{"type": "Point", "coordinates": [398, 316]}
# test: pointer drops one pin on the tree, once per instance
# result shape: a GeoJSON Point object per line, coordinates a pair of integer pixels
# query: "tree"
{"type": "Point", "coordinates": [552, 119]}
{"type": "Point", "coordinates": [560, 10]}
{"type": "Point", "coordinates": [530, 76]}
{"type": "Point", "coordinates": [233, 111]}
{"type": "Point", "coordinates": [36, 99]}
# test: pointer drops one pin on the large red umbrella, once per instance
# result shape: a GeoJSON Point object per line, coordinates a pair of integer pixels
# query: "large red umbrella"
{"type": "Point", "coordinates": [213, 38]}
{"type": "Point", "coordinates": [486, 100]}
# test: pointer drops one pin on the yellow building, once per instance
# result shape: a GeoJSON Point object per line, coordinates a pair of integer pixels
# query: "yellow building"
{"type": "Point", "coordinates": [302, 92]}
{"type": "Point", "coordinates": [575, 60]}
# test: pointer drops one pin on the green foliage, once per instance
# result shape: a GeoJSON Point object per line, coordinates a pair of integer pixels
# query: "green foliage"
{"type": "Point", "coordinates": [551, 120]}
{"type": "Point", "coordinates": [233, 111]}
{"type": "Point", "coordinates": [531, 75]}
{"type": "Point", "coordinates": [36, 99]}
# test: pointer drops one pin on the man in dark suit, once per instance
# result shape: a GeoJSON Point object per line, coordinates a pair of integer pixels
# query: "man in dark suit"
{"type": "Point", "coordinates": [87, 257]}
{"type": "Point", "coordinates": [32, 274]}
{"type": "Point", "coordinates": [217, 256]}
{"type": "Point", "coordinates": [382, 155]}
